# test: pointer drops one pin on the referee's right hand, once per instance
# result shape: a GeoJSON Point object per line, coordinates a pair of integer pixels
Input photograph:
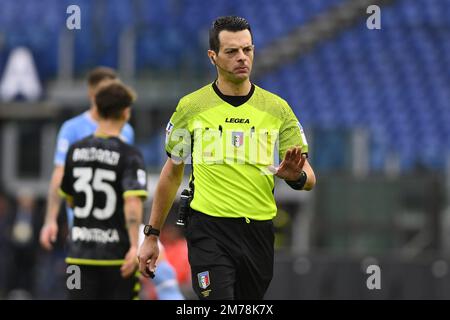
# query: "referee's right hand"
{"type": "Point", "coordinates": [147, 256]}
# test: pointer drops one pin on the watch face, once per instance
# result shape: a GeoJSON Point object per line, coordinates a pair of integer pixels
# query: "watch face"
{"type": "Point", "coordinates": [148, 230]}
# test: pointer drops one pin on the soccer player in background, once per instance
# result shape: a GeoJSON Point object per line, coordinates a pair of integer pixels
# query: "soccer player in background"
{"type": "Point", "coordinates": [104, 181]}
{"type": "Point", "coordinates": [72, 131]}
{"type": "Point", "coordinates": [230, 231]}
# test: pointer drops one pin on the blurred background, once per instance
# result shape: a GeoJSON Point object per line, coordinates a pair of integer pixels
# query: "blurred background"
{"type": "Point", "coordinates": [375, 105]}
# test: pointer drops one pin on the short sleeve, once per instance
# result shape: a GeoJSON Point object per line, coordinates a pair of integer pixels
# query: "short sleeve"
{"type": "Point", "coordinates": [127, 134]}
{"type": "Point", "coordinates": [134, 178]}
{"type": "Point", "coordinates": [66, 188]}
{"type": "Point", "coordinates": [63, 142]}
{"type": "Point", "coordinates": [178, 135]}
{"type": "Point", "coordinates": [291, 133]}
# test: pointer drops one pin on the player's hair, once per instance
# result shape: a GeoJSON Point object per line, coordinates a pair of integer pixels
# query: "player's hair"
{"type": "Point", "coordinates": [99, 74]}
{"type": "Point", "coordinates": [229, 23]}
{"type": "Point", "coordinates": [112, 98]}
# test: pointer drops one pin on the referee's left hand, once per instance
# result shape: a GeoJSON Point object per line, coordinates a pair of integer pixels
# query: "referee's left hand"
{"type": "Point", "coordinates": [291, 166]}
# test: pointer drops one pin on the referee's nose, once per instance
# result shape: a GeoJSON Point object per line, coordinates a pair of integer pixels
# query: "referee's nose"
{"type": "Point", "coordinates": [241, 55]}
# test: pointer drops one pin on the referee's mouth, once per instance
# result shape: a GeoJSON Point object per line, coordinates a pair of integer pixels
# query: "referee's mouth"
{"type": "Point", "coordinates": [242, 69]}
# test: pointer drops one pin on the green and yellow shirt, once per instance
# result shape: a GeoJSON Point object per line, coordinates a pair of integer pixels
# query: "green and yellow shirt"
{"type": "Point", "coordinates": [231, 148]}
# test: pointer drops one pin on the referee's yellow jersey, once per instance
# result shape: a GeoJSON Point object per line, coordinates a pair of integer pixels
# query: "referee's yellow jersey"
{"type": "Point", "coordinates": [231, 148]}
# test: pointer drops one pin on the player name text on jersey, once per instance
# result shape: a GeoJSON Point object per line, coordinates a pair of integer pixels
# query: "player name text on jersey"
{"type": "Point", "coordinates": [94, 154]}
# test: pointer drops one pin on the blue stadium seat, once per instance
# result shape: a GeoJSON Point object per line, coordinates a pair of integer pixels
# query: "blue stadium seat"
{"type": "Point", "coordinates": [395, 83]}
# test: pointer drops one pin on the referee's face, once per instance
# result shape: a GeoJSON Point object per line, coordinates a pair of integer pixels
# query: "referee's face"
{"type": "Point", "coordinates": [235, 58]}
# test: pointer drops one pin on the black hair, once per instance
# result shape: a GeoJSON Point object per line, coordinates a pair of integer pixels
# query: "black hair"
{"type": "Point", "coordinates": [112, 99]}
{"type": "Point", "coordinates": [229, 23]}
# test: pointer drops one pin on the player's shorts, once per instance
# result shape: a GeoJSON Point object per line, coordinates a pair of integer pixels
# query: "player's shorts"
{"type": "Point", "coordinates": [102, 283]}
{"type": "Point", "coordinates": [230, 258]}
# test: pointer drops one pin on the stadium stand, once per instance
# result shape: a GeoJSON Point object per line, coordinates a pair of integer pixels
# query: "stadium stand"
{"type": "Point", "coordinates": [395, 82]}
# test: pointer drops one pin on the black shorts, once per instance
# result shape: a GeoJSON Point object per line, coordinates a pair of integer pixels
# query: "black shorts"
{"type": "Point", "coordinates": [230, 258]}
{"type": "Point", "coordinates": [103, 283]}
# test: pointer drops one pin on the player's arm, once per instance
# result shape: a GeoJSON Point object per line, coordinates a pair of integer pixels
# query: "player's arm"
{"type": "Point", "coordinates": [133, 216]}
{"type": "Point", "coordinates": [166, 190]}
{"type": "Point", "coordinates": [134, 186]}
{"type": "Point", "coordinates": [50, 229]}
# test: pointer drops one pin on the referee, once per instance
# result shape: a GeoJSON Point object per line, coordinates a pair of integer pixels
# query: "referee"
{"type": "Point", "coordinates": [231, 130]}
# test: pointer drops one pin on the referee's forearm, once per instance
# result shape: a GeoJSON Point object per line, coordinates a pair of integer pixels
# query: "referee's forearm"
{"type": "Point", "coordinates": [311, 180]}
{"type": "Point", "coordinates": [166, 190]}
{"type": "Point", "coordinates": [162, 202]}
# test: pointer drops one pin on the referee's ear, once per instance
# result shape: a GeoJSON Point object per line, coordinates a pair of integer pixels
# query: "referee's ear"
{"type": "Point", "coordinates": [212, 56]}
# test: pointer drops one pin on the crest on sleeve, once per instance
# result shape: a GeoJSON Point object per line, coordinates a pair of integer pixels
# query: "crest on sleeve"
{"type": "Point", "coordinates": [142, 177]}
{"type": "Point", "coordinates": [169, 129]}
{"type": "Point", "coordinates": [302, 133]}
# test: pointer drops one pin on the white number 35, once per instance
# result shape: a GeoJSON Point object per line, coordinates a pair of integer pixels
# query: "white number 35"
{"type": "Point", "coordinates": [99, 183]}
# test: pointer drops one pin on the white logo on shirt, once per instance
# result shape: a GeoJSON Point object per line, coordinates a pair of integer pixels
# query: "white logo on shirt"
{"type": "Point", "coordinates": [142, 177]}
{"type": "Point", "coordinates": [302, 133]}
{"type": "Point", "coordinates": [169, 129]}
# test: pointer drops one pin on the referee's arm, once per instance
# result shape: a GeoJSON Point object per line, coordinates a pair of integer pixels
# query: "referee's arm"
{"type": "Point", "coordinates": [296, 170]}
{"type": "Point", "coordinates": [311, 177]}
{"type": "Point", "coordinates": [166, 190]}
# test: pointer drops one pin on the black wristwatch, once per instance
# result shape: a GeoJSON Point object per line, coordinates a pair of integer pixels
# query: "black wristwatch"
{"type": "Point", "coordinates": [300, 183]}
{"type": "Point", "coordinates": [149, 230]}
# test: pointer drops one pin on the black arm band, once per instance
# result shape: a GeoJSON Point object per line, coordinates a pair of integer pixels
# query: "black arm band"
{"type": "Point", "coordinates": [300, 183]}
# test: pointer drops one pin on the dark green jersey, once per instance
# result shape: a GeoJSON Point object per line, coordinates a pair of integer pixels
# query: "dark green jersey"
{"type": "Point", "coordinates": [231, 148]}
{"type": "Point", "coordinates": [98, 173]}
